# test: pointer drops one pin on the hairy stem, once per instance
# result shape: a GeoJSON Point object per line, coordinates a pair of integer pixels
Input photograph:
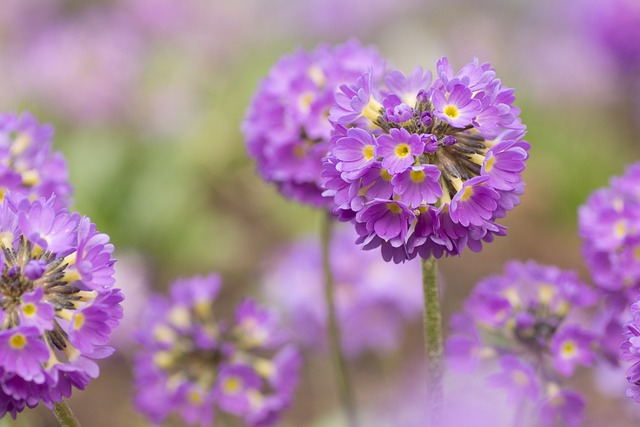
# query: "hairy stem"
{"type": "Point", "coordinates": [433, 341]}
{"type": "Point", "coordinates": [65, 415]}
{"type": "Point", "coordinates": [345, 392]}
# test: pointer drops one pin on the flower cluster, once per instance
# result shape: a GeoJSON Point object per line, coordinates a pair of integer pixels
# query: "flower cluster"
{"type": "Point", "coordinates": [27, 164]}
{"type": "Point", "coordinates": [286, 126]}
{"type": "Point", "coordinates": [189, 362]}
{"type": "Point", "coordinates": [58, 305]}
{"type": "Point", "coordinates": [374, 301]}
{"type": "Point", "coordinates": [631, 352]}
{"type": "Point", "coordinates": [524, 321]}
{"type": "Point", "coordinates": [426, 167]}
{"type": "Point", "coordinates": [609, 225]}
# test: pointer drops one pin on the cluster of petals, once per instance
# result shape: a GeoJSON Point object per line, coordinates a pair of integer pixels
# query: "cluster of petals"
{"type": "Point", "coordinates": [192, 364]}
{"type": "Point", "coordinates": [58, 302]}
{"type": "Point", "coordinates": [286, 127]}
{"type": "Point", "coordinates": [609, 224]}
{"type": "Point", "coordinates": [27, 163]}
{"type": "Point", "coordinates": [630, 352]}
{"type": "Point", "coordinates": [526, 321]}
{"type": "Point", "coordinates": [426, 166]}
{"type": "Point", "coordinates": [374, 300]}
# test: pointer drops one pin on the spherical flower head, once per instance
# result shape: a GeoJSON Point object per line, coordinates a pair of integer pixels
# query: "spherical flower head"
{"type": "Point", "coordinates": [529, 319]}
{"type": "Point", "coordinates": [193, 364]}
{"type": "Point", "coordinates": [608, 225]}
{"type": "Point", "coordinates": [374, 302]}
{"type": "Point", "coordinates": [446, 152]}
{"type": "Point", "coordinates": [29, 166]}
{"type": "Point", "coordinates": [286, 127]}
{"type": "Point", "coordinates": [55, 318]}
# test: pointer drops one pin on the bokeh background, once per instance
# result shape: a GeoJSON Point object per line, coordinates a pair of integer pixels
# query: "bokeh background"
{"type": "Point", "coordinates": [147, 97]}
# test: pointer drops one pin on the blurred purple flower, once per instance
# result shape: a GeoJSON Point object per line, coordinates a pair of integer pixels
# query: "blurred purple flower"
{"type": "Point", "coordinates": [80, 56]}
{"type": "Point", "coordinates": [286, 127]}
{"type": "Point", "coordinates": [524, 319]}
{"type": "Point", "coordinates": [28, 164]}
{"type": "Point", "coordinates": [374, 301]}
{"type": "Point", "coordinates": [191, 363]}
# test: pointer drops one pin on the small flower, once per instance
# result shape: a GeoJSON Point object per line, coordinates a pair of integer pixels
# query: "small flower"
{"type": "Point", "coordinates": [518, 377]}
{"type": "Point", "coordinates": [564, 405]}
{"type": "Point", "coordinates": [570, 346]}
{"type": "Point", "coordinates": [286, 127]}
{"type": "Point", "coordinates": [193, 364]}
{"type": "Point", "coordinates": [54, 319]}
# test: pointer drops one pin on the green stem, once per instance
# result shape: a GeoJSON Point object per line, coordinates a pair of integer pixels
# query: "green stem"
{"type": "Point", "coordinates": [345, 391]}
{"type": "Point", "coordinates": [64, 415]}
{"type": "Point", "coordinates": [433, 341]}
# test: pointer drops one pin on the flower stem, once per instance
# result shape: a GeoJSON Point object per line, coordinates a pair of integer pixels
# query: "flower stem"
{"type": "Point", "coordinates": [64, 415]}
{"type": "Point", "coordinates": [345, 391]}
{"type": "Point", "coordinates": [433, 341]}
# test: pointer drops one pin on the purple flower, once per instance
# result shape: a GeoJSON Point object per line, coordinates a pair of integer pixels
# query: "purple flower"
{"type": "Point", "coordinates": [611, 241]}
{"type": "Point", "coordinates": [566, 406]}
{"type": "Point", "coordinates": [28, 164]}
{"type": "Point", "coordinates": [571, 345]}
{"type": "Point", "coordinates": [355, 151]}
{"type": "Point", "coordinates": [286, 127]}
{"type": "Point", "coordinates": [522, 317]}
{"type": "Point", "coordinates": [457, 109]}
{"type": "Point", "coordinates": [387, 219]}
{"type": "Point", "coordinates": [517, 377]}
{"type": "Point", "coordinates": [57, 320]}
{"type": "Point", "coordinates": [474, 202]}
{"type": "Point", "coordinates": [373, 302]}
{"type": "Point", "coordinates": [418, 184]}
{"type": "Point", "coordinates": [192, 363]}
{"type": "Point", "coordinates": [398, 149]}
{"type": "Point", "coordinates": [463, 125]}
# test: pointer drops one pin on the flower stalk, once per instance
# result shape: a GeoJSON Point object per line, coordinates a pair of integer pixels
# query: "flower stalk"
{"type": "Point", "coordinates": [433, 340]}
{"type": "Point", "coordinates": [65, 415]}
{"type": "Point", "coordinates": [345, 391]}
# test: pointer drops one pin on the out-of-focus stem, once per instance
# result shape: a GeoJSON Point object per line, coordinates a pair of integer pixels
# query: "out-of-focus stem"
{"type": "Point", "coordinates": [433, 341]}
{"type": "Point", "coordinates": [345, 391]}
{"type": "Point", "coordinates": [64, 415]}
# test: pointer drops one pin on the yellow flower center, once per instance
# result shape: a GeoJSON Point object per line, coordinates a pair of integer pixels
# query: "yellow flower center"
{"type": "Point", "coordinates": [195, 397]}
{"type": "Point", "coordinates": [18, 341]}
{"type": "Point", "coordinates": [305, 100]}
{"type": "Point", "coordinates": [468, 192]}
{"type": "Point", "coordinates": [403, 150]}
{"type": "Point", "coordinates": [386, 175]}
{"type": "Point", "coordinates": [394, 208]}
{"type": "Point", "coordinates": [620, 229]}
{"type": "Point", "coordinates": [451, 111]}
{"type": "Point", "coordinates": [29, 309]}
{"type": "Point", "coordinates": [367, 152]}
{"type": "Point", "coordinates": [568, 349]}
{"type": "Point", "coordinates": [232, 385]}
{"type": "Point", "coordinates": [636, 253]}
{"type": "Point", "coordinates": [417, 176]}
{"type": "Point", "coordinates": [520, 378]}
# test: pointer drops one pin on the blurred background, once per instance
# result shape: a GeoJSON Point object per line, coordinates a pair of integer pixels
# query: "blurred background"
{"type": "Point", "coordinates": [147, 97]}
